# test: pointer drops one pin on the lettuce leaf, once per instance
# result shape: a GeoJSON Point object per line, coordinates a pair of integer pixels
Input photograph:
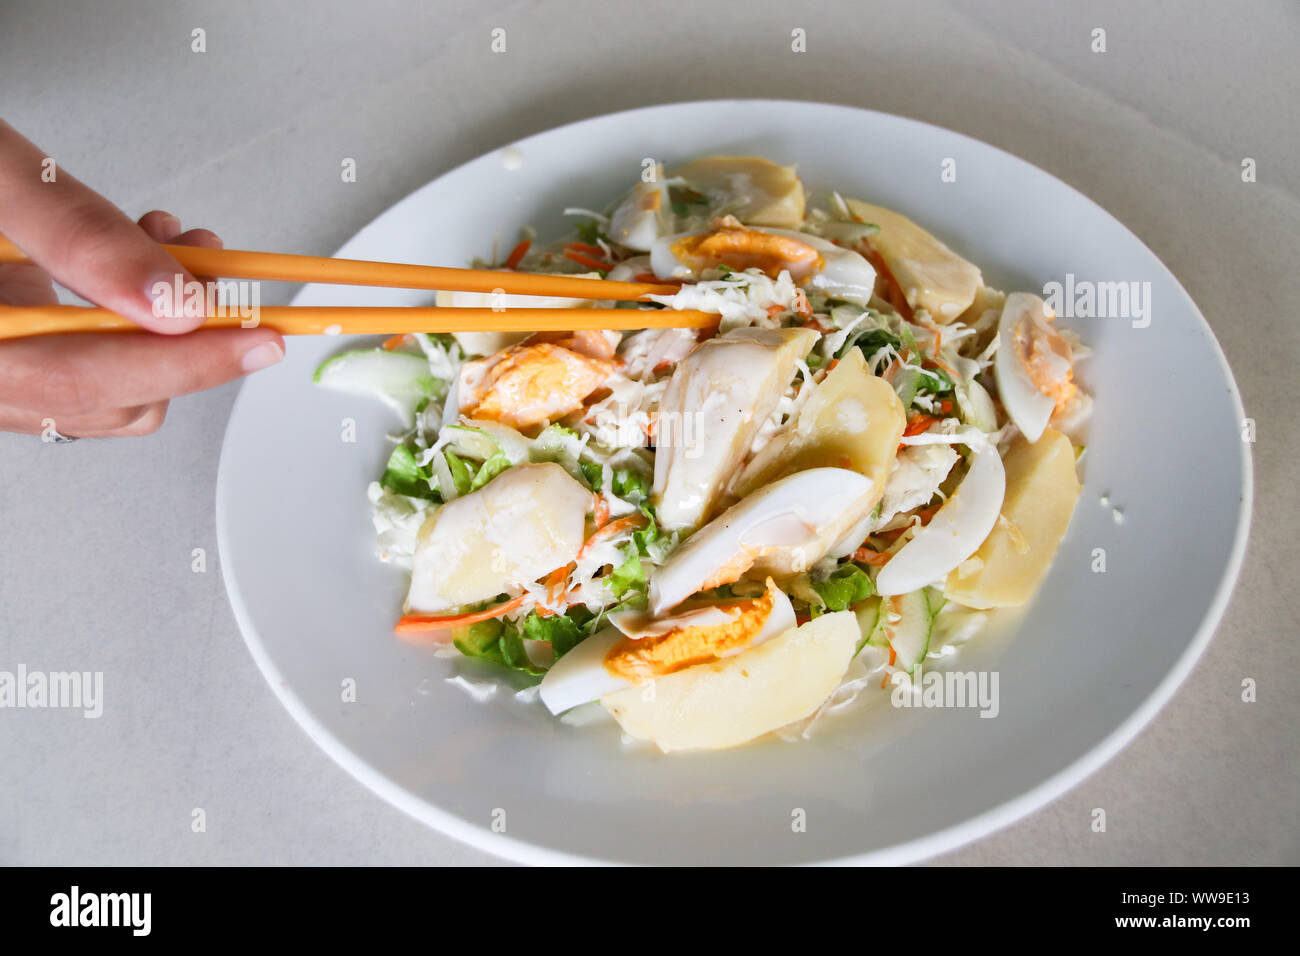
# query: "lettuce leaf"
{"type": "Point", "coordinates": [847, 585]}
{"type": "Point", "coordinates": [489, 470]}
{"type": "Point", "coordinates": [498, 641]}
{"type": "Point", "coordinates": [630, 574]}
{"type": "Point", "coordinates": [460, 472]}
{"type": "Point", "coordinates": [404, 475]}
{"type": "Point", "coordinates": [562, 630]}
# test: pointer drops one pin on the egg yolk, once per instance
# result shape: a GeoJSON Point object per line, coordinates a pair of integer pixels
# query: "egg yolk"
{"type": "Point", "coordinates": [527, 385]}
{"type": "Point", "coordinates": [1048, 359]}
{"type": "Point", "coordinates": [649, 657]}
{"type": "Point", "coordinates": [740, 248]}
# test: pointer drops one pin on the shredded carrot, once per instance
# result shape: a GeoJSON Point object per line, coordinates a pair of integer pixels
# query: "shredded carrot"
{"type": "Point", "coordinates": [774, 310]}
{"type": "Point", "coordinates": [889, 535]}
{"type": "Point", "coordinates": [517, 254]}
{"type": "Point", "coordinates": [397, 341]}
{"type": "Point", "coordinates": [554, 589]}
{"type": "Point", "coordinates": [925, 514]}
{"type": "Point", "coordinates": [889, 373]}
{"type": "Point", "coordinates": [831, 365]}
{"type": "Point", "coordinates": [866, 556]}
{"type": "Point", "coordinates": [945, 406]}
{"type": "Point", "coordinates": [892, 657]}
{"type": "Point", "coordinates": [609, 530]}
{"type": "Point", "coordinates": [587, 261]}
{"type": "Point", "coordinates": [935, 363]}
{"type": "Point", "coordinates": [601, 514]}
{"type": "Point", "coordinates": [918, 424]}
{"type": "Point", "coordinates": [585, 247]}
{"type": "Point", "coordinates": [414, 623]}
{"type": "Point", "coordinates": [802, 305]}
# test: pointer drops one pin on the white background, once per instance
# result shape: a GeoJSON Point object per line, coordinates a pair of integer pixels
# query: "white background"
{"type": "Point", "coordinates": [247, 139]}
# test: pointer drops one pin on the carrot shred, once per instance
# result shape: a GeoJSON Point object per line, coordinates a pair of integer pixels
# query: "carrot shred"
{"type": "Point", "coordinates": [892, 657]}
{"type": "Point", "coordinates": [585, 247]}
{"type": "Point", "coordinates": [601, 513]}
{"type": "Point", "coordinates": [554, 589]}
{"type": "Point", "coordinates": [865, 555]}
{"type": "Point", "coordinates": [918, 424]}
{"type": "Point", "coordinates": [587, 261]}
{"type": "Point", "coordinates": [414, 623]}
{"type": "Point", "coordinates": [925, 514]}
{"type": "Point", "coordinates": [617, 526]}
{"type": "Point", "coordinates": [396, 341]}
{"type": "Point", "coordinates": [517, 254]}
{"type": "Point", "coordinates": [935, 363]}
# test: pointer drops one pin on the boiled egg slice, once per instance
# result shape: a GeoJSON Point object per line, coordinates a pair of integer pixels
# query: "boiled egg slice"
{"type": "Point", "coordinates": [639, 648]}
{"type": "Point", "coordinates": [643, 216]}
{"type": "Point", "coordinates": [1033, 365]}
{"type": "Point", "coordinates": [957, 529]}
{"type": "Point", "coordinates": [782, 528]}
{"type": "Point", "coordinates": [812, 261]}
{"type": "Point", "coordinates": [844, 274]}
{"type": "Point", "coordinates": [718, 398]}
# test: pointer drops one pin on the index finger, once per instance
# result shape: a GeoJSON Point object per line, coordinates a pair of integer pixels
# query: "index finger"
{"type": "Point", "coordinates": [84, 241]}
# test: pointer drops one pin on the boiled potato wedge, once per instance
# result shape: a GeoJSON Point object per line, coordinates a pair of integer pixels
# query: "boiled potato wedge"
{"type": "Point", "coordinates": [734, 700]}
{"type": "Point", "coordinates": [1042, 488]}
{"type": "Point", "coordinates": [931, 275]}
{"type": "Point", "coordinates": [766, 194]}
{"type": "Point", "coordinates": [510, 532]}
{"type": "Point", "coordinates": [852, 420]}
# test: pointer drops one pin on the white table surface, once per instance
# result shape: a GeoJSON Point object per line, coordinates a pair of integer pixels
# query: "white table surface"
{"type": "Point", "coordinates": [247, 138]}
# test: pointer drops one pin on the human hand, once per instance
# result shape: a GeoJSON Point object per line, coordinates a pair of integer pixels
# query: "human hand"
{"type": "Point", "coordinates": [102, 384]}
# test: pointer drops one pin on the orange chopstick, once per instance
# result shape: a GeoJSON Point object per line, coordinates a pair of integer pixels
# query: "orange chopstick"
{"type": "Point", "coordinates": [19, 321]}
{"type": "Point", "coordinates": [282, 267]}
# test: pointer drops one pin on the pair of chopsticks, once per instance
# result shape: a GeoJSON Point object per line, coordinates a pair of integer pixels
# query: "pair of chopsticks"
{"type": "Point", "coordinates": [18, 321]}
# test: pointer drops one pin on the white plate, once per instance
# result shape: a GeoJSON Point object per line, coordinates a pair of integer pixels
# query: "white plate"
{"type": "Point", "coordinates": [1093, 659]}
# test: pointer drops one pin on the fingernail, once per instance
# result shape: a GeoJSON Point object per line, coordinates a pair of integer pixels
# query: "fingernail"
{"type": "Point", "coordinates": [170, 226]}
{"type": "Point", "coordinates": [261, 356]}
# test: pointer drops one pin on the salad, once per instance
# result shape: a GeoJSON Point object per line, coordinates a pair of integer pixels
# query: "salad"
{"type": "Point", "coordinates": [714, 534]}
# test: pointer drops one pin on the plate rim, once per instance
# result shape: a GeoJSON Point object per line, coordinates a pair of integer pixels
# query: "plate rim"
{"type": "Point", "coordinates": [976, 827]}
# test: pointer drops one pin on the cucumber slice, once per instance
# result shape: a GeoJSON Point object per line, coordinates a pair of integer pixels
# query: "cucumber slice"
{"type": "Point", "coordinates": [402, 381]}
{"type": "Point", "coordinates": [869, 617]}
{"type": "Point", "coordinates": [468, 442]}
{"type": "Point", "coordinates": [910, 636]}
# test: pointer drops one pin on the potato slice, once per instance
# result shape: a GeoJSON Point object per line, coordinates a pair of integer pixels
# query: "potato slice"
{"type": "Point", "coordinates": [523, 524]}
{"type": "Point", "coordinates": [931, 275]}
{"type": "Point", "coordinates": [764, 193]}
{"type": "Point", "coordinates": [852, 420]}
{"type": "Point", "coordinates": [734, 700]}
{"type": "Point", "coordinates": [1042, 487]}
